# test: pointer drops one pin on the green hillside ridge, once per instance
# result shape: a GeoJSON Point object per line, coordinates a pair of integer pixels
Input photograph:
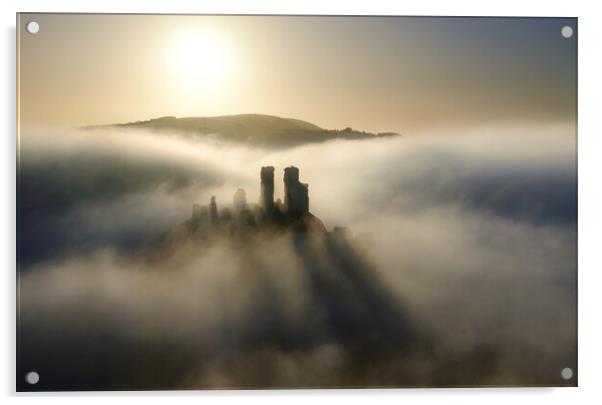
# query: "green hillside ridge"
{"type": "Point", "coordinates": [255, 129]}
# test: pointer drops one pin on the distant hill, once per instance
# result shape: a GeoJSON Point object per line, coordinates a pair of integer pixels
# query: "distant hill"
{"type": "Point", "coordinates": [256, 129]}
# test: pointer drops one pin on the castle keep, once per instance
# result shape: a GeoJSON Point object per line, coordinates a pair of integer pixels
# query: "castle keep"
{"type": "Point", "coordinates": [267, 189]}
{"type": "Point", "coordinates": [296, 195]}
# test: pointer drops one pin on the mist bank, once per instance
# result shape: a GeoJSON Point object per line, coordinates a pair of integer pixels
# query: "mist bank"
{"type": "Point", "coordinates": [82, 189]}
{"type": "Point", "coordinates": [465, 242]}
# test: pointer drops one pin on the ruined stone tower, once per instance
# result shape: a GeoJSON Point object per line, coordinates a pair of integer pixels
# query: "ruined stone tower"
{"type": "Point", "coordinates": [213, 211]}
{"type": "Point", "coordinates": [296, 195]}
{"type": "Point", "coordinates": [267, 189]}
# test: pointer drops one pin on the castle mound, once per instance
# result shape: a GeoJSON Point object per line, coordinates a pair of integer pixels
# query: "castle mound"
{"type": "Point", "coordinates": [241, 221]}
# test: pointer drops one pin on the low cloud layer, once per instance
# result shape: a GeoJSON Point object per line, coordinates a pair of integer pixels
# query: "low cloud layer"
{"type": "Point", "coordinates": [463, 270]}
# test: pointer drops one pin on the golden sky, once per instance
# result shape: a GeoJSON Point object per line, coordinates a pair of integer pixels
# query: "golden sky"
{"type": "Point", "coordinates": [398, 74]}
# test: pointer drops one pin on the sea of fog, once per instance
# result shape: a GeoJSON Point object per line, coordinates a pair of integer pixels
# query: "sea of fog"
{"type": "Point", "coordinates": [473, 232]}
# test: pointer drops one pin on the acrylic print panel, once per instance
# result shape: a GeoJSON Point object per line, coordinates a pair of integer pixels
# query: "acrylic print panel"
{"type": "Point", "coordinates": [296, 202]}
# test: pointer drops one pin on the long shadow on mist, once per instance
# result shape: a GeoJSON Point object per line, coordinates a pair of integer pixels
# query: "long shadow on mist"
{"type": "Point", "coordinates": [361, 313]}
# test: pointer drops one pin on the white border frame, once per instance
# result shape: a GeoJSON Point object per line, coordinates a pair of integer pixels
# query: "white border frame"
{"type": "Point", "coordinates": [590, 194]}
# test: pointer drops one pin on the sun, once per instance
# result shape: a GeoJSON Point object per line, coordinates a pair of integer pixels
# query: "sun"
{"type": "Point", "coordinates": [199, 57]}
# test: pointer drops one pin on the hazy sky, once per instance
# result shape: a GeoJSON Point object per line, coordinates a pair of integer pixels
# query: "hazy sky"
{"type": "Point", "coordinates": [401, 74]}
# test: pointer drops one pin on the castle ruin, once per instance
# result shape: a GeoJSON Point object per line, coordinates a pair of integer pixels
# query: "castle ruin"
{"type": "Point", "coordinates": [295, 208]}
{"type": "Point", "coordinates": [296, 194]}
{"type": "Point", "coordinates": [266, 200]}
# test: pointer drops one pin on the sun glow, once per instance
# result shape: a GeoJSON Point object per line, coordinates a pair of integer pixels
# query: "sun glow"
{"type": "Point", "coordinates": [199, 60]}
